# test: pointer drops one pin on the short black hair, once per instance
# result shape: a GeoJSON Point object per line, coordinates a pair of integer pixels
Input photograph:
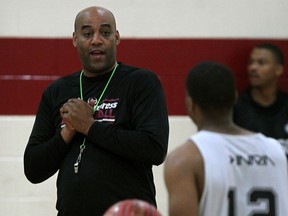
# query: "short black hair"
{"type": "Point", "coordinates": [212, 86]}
{"type": "Point", "coordinates": [275, 50]}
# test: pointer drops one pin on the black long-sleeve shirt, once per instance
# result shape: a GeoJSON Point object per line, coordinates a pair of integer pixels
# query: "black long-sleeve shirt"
{"type": "Point", "coordinates": [272, 120]}
{"type": "Point", "coordinates": [128, 137]}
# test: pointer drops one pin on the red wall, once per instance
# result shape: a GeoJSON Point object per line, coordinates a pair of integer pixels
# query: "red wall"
{"type": "Point", "coordinates": [171, 59]}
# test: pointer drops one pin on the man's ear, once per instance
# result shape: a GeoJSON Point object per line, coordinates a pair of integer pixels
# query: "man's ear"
{"type": "Point", "coordinates": [189, 104]}
{"type": "Point", "coordinates": [74, 39]}
{"type": "Point", "coordinates": [117, 36]}
{"type": "Point", "coordinates": [279, 70]}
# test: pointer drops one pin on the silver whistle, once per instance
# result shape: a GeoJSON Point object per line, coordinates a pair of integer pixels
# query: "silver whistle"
{"type": "Point", "coordinates": [77, 163]}
{"type": "Point", "coordinates": [76, 167]}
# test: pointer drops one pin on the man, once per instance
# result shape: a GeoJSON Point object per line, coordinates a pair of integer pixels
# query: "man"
{"type": "Point", "coordinates": [223, 169]}
{"type": "Point", "coordinates": [264, 107]}
{"type": "Point", "coordinates": [102, 128]}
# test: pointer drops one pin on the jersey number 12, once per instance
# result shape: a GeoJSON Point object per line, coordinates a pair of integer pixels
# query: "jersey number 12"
{"type": "Point", "coordinates": [255, 196]}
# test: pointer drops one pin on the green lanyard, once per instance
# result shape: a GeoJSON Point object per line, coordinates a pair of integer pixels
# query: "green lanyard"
{"type": "Point", "coordinates": [82, 146]}
{"type": "Point", "coordinates": [81, 89]}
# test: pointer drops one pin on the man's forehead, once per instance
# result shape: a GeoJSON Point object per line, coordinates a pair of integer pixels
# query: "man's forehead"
{"type": "Point", "coordinates": [95, 17]}
{"type": "Point", "coordinates": [87, 26]}
{"type": "Point", "coordinates": [261, 53]}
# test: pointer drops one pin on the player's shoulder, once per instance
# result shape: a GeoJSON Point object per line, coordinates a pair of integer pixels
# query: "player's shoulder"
{"type": "Point", "coordinates": [187, 154]}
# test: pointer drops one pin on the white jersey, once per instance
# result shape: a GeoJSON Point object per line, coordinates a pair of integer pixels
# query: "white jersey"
{"type": "Point", "coordinates": [245, 175]}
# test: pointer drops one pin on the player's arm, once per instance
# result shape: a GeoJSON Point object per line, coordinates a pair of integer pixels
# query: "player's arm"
{"type": "Point", "coordinates": [180, 174]}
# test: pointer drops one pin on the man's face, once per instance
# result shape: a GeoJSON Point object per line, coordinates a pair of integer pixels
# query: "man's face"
{"type": "Point", "coordinates": [96, 39]}
{"type": "Point", "coordinates": [263, 69]}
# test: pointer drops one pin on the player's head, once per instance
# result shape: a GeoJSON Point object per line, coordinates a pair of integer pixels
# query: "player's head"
{"type": "Point", "coordinates": [211, 86]}
{"type": "Point", "coordinates": [275, 50]}
{"type": "Point", "coordinates": [265, 65]}
{"type": "Point", "coordinates": [132, 207]}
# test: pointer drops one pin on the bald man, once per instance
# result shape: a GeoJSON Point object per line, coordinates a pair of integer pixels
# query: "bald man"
{"type": "Point", "coordinates": [101, 128]}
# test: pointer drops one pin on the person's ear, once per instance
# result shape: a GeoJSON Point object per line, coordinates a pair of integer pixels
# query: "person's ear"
{"type": "Point", "coordinates": [117, 36]}
{"type": "Point", "coordinates": [189, 104]}
{"type": "Point", "coordinates": [74, 36]}
{"type": "Point", "coordinates": [279, 70]}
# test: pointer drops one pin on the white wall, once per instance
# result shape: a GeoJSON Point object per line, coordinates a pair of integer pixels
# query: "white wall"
{"type": "Point", "coordinates": [150, 18]}
{"type": "Point", "coordinates": [19, 197]}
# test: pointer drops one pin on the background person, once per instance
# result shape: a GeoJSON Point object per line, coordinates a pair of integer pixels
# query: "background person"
{"type": "Point", "coordinates": [264, 107]}
{"type": "Point", "coordinates": [102, 128]}
{"type": "Point", "coordinates": [223, 169]}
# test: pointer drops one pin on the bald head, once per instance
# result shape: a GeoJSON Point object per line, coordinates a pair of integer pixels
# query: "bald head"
{"type": "Point", "coordinates": [96, 37]}
{"type": "Point", "coordinates": [99, 11]}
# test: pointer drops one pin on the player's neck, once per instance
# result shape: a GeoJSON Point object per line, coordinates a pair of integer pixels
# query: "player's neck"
{"type": "Point", "coordinates": [230, 128]}
{"type": "Point", "coordinates": [216, 124]}
{"type": "Point", "coordinates": [264, 96]}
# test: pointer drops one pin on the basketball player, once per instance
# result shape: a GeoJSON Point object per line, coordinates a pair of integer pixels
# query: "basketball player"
{"type": "Point", "coordinates": [263, 107]}
{"type": "Point", "coordinates": [223, 170]}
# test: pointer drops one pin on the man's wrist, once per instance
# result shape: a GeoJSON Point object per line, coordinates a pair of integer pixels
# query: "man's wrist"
{"type": "Point", "coordinates": [67, 135]}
